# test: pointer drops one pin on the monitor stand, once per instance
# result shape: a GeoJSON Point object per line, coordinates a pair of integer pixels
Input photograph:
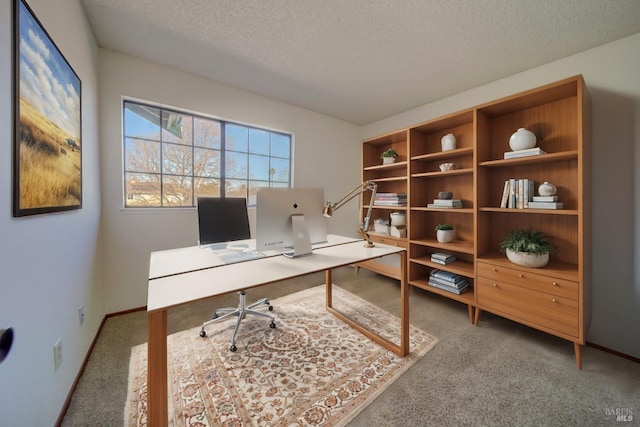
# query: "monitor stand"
{"type": "Point", "coordinates": [301, 240]}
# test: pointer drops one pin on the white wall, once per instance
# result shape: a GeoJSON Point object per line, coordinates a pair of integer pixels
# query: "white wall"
{"type": "Point", "coordinates": [326, 154]}
{"type": "Point", "coordinates": [612, 74]}
{"type": "Point", "coordinates": [49, 264]}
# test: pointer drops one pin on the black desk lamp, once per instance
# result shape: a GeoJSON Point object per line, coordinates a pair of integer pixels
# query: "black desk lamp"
{"type": "Point", "coordinates": [6, 339]}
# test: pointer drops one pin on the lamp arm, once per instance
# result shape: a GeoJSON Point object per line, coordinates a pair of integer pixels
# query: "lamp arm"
{"type": "Point", "coordinates": [359, 189]}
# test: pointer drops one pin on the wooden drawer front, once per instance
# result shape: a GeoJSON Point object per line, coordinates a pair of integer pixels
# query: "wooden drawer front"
{"type": "Point", "coordinates": [557, 313]}
{"type": "Point", "coordinates": [389, 241]}
{"type": "Point", "coordinates": [536, 282]}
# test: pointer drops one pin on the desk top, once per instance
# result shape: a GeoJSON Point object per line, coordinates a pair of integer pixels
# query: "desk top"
{"type": "Point", "coordinates": [180, 276]}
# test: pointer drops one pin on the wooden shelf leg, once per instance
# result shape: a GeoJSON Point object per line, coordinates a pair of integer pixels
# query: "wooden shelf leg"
{"type": "Point", "coordinates": [477, 316]}
{"type": "Point", "coordinates": [577, 348]}
{"type": "Point", "coordinates": [470, 308]}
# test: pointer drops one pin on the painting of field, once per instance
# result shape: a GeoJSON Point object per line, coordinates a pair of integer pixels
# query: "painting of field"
{"type": "Point", "coordinates": [48, 163]}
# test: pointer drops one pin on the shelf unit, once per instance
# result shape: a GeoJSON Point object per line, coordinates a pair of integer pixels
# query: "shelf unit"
{"type": "Point", "coordinates": [556, 298]}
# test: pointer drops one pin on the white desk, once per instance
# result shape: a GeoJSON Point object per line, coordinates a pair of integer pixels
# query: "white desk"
{"type": "Point", "coordinates": [181, 276]}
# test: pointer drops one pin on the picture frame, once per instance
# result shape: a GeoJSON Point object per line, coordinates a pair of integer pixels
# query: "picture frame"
{"type": "Point", "coordinates": [47, 118]}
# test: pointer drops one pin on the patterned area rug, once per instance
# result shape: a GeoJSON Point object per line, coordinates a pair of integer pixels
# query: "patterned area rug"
{"type": "Point", "coordinates": [312, 370]}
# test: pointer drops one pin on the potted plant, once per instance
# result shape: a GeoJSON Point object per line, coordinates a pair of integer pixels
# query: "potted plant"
{"type": "Point", "coordinates": [527, 248]}
{"type": "Point", "coordinates": [388, 156]}
{"type": "Point", "coordinates": [444, 233]}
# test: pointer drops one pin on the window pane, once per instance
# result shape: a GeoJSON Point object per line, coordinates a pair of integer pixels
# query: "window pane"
{"type": "Point", "coordinates": [235, 165]}
{"type": "Point", "coordinates": [236, 137]}
{"type": "Point", "coordinates": [281, 145]}
{"type": "Point", "coordinates": [258, 141]}
{"type": "Point", "coordinates": [206, 187]}
{"type": "Point", "coordinates": [176, 191]}
{"type": "Point", "coordinates": [143, 190]}
{"type": "Point", "coordinates": [280, 170]}
{"type": "Point", "coordinates": [141, 121]}
{"type": "Point", "coordinates": [236, 188]}
{"type": "Point", "coordinates": [253, 190]}
{"type": "Point", "coordinates": [206, 133]}
{"type": "Point", "coordinates": [259, 167]}
{"type": "Point", "coordinates": [176, 127]}
{"type": "Point", "coordinates": [177, 159]}
{"type": "Point", "coordinates": [141, 155]}
{"type": "Point", "coordinates": [206, 162]}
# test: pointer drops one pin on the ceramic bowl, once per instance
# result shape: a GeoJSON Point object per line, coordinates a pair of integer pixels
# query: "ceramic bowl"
{"type": "Point", "coordinates": [445, 195]}
{"type": "Point", "coordinates": [447, 166]}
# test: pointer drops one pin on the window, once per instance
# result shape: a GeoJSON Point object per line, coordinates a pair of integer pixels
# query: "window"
{"type": "Point", "coordinates": [172, 157]}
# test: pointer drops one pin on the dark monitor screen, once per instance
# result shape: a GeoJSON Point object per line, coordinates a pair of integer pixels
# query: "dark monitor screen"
{"type": "Point", "coordinates": [222, 220]}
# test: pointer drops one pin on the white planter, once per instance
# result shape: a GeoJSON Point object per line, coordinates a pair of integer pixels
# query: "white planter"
{"type": "Point", "coordinates": [522, 139]}
{"type": "Point", "coordinates": [444, 236]}
{"type": "Point", "coordinates": [526, 259]}
{"type": "Point", "coordinates": [388, 160]}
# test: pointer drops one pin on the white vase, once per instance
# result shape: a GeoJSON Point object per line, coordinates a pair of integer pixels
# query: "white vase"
{"type": "Point", "coordinates": [398, 218]}
{"type": "Point", "coordinates": [526, 259]}
{"type": "Point", "coordinates": [448, 142]}
{"type": "Point", "coordinates": [522, 139]}
{"type": "Point", "coordinates": [444, 236]}
{"type": "Point", "coordinates": [388, 160]}
{"type": "Point", "coordinates": [547, 189]}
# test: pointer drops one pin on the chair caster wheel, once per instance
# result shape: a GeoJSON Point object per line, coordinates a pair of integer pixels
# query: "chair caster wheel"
{"type": "Point", "coordinates": [233, 347]}
{"type": "Point", "coordinates": [270, 308]}
{"type": "Point", "coordinates": [272, 325]}
{"type": "Point", "coordinates": [203, 333]}
{"type": "Point", "coordinates": [215, 316]}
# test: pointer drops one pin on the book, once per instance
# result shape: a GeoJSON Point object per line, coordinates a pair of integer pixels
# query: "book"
{"type": "Point", "coordinates": [536, 151]}
{"type": "Point", "coordinates": [432, 205]}
{"type": "Point", "coordinates": [545, 198]}
{"type": "Point", "coordinates": [512, 193]}
{"type": "Point", "coordinates": [442, 256]}
{"type": "Point", "coordinates": [505, 194]}
{"type": "Point", "coordinates": [447, 202]}
{"type": "Point", "coordinates": [448, 288]}
{"type": "Point", "coordinates": [458, 285]}
{"type": "Point", "coordinates": [447, 276]}
{"type": "Point", "coordinates": [545, 205]}
{"type": "Point", "coordinates": [442, 262]}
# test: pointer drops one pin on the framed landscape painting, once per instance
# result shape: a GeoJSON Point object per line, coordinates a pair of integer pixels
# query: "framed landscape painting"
{"type": "Point", "coordinates": [47, 159]}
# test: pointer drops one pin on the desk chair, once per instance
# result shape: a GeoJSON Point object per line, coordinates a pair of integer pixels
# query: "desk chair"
{"type": "Point", "coordinates": [221, 221]}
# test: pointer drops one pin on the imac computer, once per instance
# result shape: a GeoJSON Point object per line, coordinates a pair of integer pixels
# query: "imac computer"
{"type": "Point", "coordinates": [290, 219]}
{"type": "Point", "coordinates": [222, 220]}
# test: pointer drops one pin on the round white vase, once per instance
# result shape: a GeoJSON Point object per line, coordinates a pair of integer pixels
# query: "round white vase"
{"type": "Point", "coordinates": [398, 218]}
{"type": "Point", "coordinates": [547, 189]}
{"type": "Point", "coordinates": [444, 236]}
{"type": "Point", "coordinates": [522, 139]}
{"type": "Point", "coordinates": [526, 259]}
{"type": "Point", "coordinates": [448, 142]}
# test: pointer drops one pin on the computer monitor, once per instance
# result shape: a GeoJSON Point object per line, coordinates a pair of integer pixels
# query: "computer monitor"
{"type": "Point", "coordinates": [289, 218]}
{"type": "Point", "coordinates": [222, 220]}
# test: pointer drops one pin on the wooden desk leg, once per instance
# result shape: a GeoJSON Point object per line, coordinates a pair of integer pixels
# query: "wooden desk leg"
{"type": "Point", "coordinates": [404, 306]}
{"type": "Point", "coordinates": [157, 386]}
{"type": "Point", "coordinates": [328, 280]}
{"type": "Point", "coordinates": [577, 348]}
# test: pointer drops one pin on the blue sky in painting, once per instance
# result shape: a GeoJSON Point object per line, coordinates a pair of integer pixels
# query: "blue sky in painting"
{"type": "Point", "coordinates": [46, 80]}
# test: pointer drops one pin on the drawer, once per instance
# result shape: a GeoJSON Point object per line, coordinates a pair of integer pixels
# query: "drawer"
{"type": "Point", "coordinates": [554, 312]}
{"type": "Point", "coordinates": [385, 240]}
{"type": "Point", "coordinates": [537, 282]}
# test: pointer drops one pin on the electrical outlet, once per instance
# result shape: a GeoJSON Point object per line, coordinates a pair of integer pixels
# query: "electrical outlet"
{"type": "Point", "coordinates": [81, 314]}
{"type": "Point", "coordinates": [57, 354]}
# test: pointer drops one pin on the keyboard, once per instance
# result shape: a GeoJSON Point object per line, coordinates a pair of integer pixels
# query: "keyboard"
{"type": "Point", "coordinates": [239, 256]}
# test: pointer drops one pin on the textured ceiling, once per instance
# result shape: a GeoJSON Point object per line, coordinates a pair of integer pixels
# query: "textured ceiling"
{"type": "Point", "coordinates": [358, 60]}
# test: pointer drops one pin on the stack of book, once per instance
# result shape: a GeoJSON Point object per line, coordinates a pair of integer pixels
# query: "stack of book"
{"type": "Point", "coordinates": [445, 203]}
{"type": "Point", "coordinates": [448, 281]}
{"type": "Point", "coordinates": [545, 202]}
{"type": "Point", "coordinates": [441, 258]}
{"type": "Point", "coordinates": [536, 151]}
{"type": "Point", "coordinates": [390, 199]}
{"type": "Point", "coordinates": [517, 193]}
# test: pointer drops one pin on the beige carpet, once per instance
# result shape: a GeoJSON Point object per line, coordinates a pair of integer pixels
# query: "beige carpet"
{"type": "Point", "coordinates": [312, 370]}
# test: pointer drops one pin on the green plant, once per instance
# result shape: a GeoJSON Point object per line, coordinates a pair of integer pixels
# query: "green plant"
{"type": "Point", "coordinates": [389, 153]}
{"type": "Point", "coordinates": [529, 241]}
{"type": "Point", "coordinates": [444, 227]}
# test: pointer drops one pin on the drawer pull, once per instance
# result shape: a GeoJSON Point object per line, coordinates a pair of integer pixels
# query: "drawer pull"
{"type": "Point", "coordinates": [555, 283]}
{"type": "Point", "coordinates": [495, 285]}
{"type": "Point", "coordinates": [493, 269]}
{"type": "Point", "coordinates": [520, 275]}
{"type": "Point", "coordinates": [554, 300]}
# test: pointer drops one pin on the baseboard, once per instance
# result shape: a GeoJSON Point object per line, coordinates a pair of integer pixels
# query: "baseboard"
{"type": "Point", "coordinates": [67, 401]}
{"type": "Point", "coordinates": [617, 353]}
